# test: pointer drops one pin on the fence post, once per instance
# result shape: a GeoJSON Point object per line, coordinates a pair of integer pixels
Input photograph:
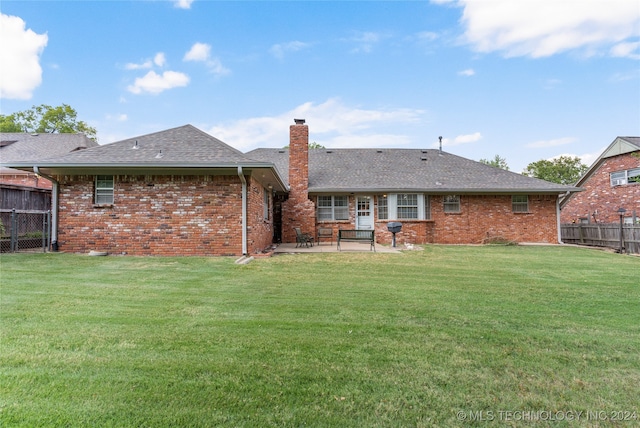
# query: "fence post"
{"type": "Point", "coordinates": [13, 240]}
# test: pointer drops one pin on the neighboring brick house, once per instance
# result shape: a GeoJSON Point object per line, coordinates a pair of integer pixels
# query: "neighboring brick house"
{"type": "Point", "coordinates": [611, 183]}
{"type": "Point", "coordinates": [183, 192]}
{"type": "Point", "coordinates": [25, 190]}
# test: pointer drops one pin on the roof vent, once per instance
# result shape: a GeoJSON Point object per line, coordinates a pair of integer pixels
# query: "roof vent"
{"type": "Point", "coordinates": [378, 151]}
{"type": "Point", "coordinates": [135, 146]}
{"type": "Point", "coordinates": [299, 121]}
{"type": "Point", "coordinates": [424, 158]}
{"type": "Point", "coordinates": [329, 151]}
{"type": "Point", "coordinates": [159, 155]}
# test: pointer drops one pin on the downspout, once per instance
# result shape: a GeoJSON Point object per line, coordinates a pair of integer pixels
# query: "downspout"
{"type": "Point", "coordinates": [244, 211]}
{"type": "Point", "coordinates": [54, 208]}
{"type": "Point", "coordinates": [559, 226]}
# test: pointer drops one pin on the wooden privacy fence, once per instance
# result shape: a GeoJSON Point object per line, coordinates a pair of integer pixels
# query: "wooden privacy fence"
{"type": "Point", "coordinates": [603, 235]}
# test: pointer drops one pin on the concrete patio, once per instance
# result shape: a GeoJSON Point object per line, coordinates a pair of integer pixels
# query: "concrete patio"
{"type": "Point", "coordinates": [326, 247]}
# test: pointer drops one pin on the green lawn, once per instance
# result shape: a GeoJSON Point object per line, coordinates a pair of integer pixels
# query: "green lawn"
{"type": "Point", "coordinates": [423, 338]}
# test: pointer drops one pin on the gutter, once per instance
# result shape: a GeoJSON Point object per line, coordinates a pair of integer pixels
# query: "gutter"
{"type": "Point", "coordinates": [54, 208]}
{"type": "Point", "coordinates": [244, 211]}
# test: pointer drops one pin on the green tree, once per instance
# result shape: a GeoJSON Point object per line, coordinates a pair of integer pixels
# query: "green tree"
{"type": "Point", "coordinates": [313, 145]}
{"type": "Point", "coordinates": [44, 119]}
{"type": "Point", "coordinates": [563, 169]}
{"type": "Point", "coordinates": [497, 161]}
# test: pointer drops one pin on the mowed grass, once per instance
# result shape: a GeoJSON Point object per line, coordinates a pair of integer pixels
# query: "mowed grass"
{"type": "Point", "coordinates": [336, 340]}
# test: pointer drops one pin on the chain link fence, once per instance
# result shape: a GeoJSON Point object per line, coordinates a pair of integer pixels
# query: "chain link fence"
{"type": "Point", "coordinates": [25, 230]}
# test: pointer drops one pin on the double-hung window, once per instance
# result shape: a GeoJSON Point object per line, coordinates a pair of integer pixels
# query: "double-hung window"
{"type": "Point", "coordinates": [330, 208]}
{"type": "Point", "coordinates": [404, 206]}
{"type": "Point", "coordinates": [520, 203]}
{"type": "Point", "coordinates": [451, 204]}
{"type": "Point", "coordinates": [407, 205]}
{"type": "Point", "coordinates": [104, 190]}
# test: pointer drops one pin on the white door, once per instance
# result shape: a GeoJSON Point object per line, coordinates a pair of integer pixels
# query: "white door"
{"type": "Point", "coordinates": [364, 212]}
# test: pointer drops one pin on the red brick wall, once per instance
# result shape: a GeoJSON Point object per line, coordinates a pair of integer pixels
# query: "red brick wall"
{"type": "Point", "coordinates": [259, 228]}
{"type": "Point", "coordinates": [600, 196]}
{"type": "Point", "coordinates": [298, 210]}
{"type": "Point", "coordinates": [161, 215]}
{"type": "Point", "coordinates": [31, 180]}
{"type": "Point", "coordinates": [482, 217]}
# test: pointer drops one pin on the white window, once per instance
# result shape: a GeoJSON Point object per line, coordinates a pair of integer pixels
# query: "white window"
{"type": "Point", "coordinates": [333, 208]}
{"type": "Point", "coordinates": [520, 203]}
{"type": "Point", "coordinates": [104, 189]}
{"type": "Point", "coordinates": [403, 206]}
{"type": "Point", "coordinates": [383, 207]}
{"type": "Point", "coordinates": [629, 176]}
{"type": "Point", "coordinates": [451, 204]}
{"type": "Point", "coordinates": [407, 206]}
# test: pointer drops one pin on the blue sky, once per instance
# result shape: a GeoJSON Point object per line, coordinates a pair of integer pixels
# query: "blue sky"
{"type": "Point", "coordinates": [527, 79]}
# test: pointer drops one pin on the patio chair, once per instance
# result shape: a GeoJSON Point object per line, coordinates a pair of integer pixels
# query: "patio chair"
{"type": "Point", "coordinates": [303, 238]}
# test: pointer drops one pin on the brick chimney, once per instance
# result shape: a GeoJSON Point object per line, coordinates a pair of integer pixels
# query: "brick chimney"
{"type": "Point", "coordinates": [298, 210]}
{"type": "Point", "coordinates": [299, 160]}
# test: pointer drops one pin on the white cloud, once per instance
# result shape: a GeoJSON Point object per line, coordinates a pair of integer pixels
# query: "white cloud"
{"type": "Point", "coordinates": [460, 139]}
{"type": "Point", "coordinates": [155, 83]}
{"type": "Point", "coordinates": [331, 124]}
{"type": "Point", "coordinates": [280, 49]}
{"type": "Point", "coordinates": [201, 52]}
{"type": "Point", "coordinates": [468, 72]}
{"type": "Point", "coordinates": [551, 143]}
{"type": "Point", "coordinates": [198, 52]}
{"type": "Point", "coordinates": [138, 66]}
{"type": "Point", "coordinates": [626, 50]}
{"type": "Point", "coordinates": [365, 41]}
{"type": "Point", "coordinates": [538, 28]}
{"type": "Point", "coordinates": [160, 60]}
{"type": "Point", "coordinates": [182, 4]}
{"type": "Point", "coordinates": [20, 51]}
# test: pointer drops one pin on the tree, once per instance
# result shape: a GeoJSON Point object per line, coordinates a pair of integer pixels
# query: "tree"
{"type": "Point", "coordinates": [313, 145]}
{"type": "Point", "coordinates": [44, 119]}
{"type": "Point", "coordinates": [497, 161]}
{"type": "Point", "coordinates": [563, 169]}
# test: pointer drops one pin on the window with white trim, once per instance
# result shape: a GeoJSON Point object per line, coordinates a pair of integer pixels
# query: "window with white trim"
{"type": "Point", "coordinates": [403, 206]}
{"type": "Point", "coordinates": [331, 208]}
{"type": "Point", "coordinates": [407, 206]}
{"type": "Point", "coordinates": [104, 190]}
{"type": "Point", "coordinates": [520, 203]}
{"type": "Point", "coordinates": [383, 207]}
{"type": "Point", "coordinates": [427, 207]}
{"type": "Point", "coordinates": [451, 203]}
{"type": "Point", "coordinates": [629, 176]}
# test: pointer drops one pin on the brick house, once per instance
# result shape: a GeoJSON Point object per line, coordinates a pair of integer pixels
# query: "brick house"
{"type": "Point", "coordinates": [184, 192]}
{"type": "Point", "coordinates": [611, 183]}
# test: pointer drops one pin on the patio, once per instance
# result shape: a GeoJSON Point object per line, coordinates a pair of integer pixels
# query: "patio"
{"type": "Point", "coordinates": [332, 248]}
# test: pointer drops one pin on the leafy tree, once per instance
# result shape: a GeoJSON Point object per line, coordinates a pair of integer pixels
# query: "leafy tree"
{"type": "Point", "coordinates": [313, 145]}
{"type": "Point", "coordinates": [497, 161]}
{"type": "Point", "coordinates": [44, 119]}
{"type": "Point", "coordinates": [563, 169]}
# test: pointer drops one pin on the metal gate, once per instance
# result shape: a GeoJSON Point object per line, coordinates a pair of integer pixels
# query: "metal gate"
{"type": "Point", "coordinates": [25, 230]}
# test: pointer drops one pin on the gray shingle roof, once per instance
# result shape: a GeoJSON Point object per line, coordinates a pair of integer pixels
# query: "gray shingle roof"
{"type": "Point", "coordinates": [182, 146]}
{"type": "Point", "coordinates": [24, 147]}
{"type": "Point", "coordinates": [367, 170]}
{"type": "Point", "coordinates": [632, 140]}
